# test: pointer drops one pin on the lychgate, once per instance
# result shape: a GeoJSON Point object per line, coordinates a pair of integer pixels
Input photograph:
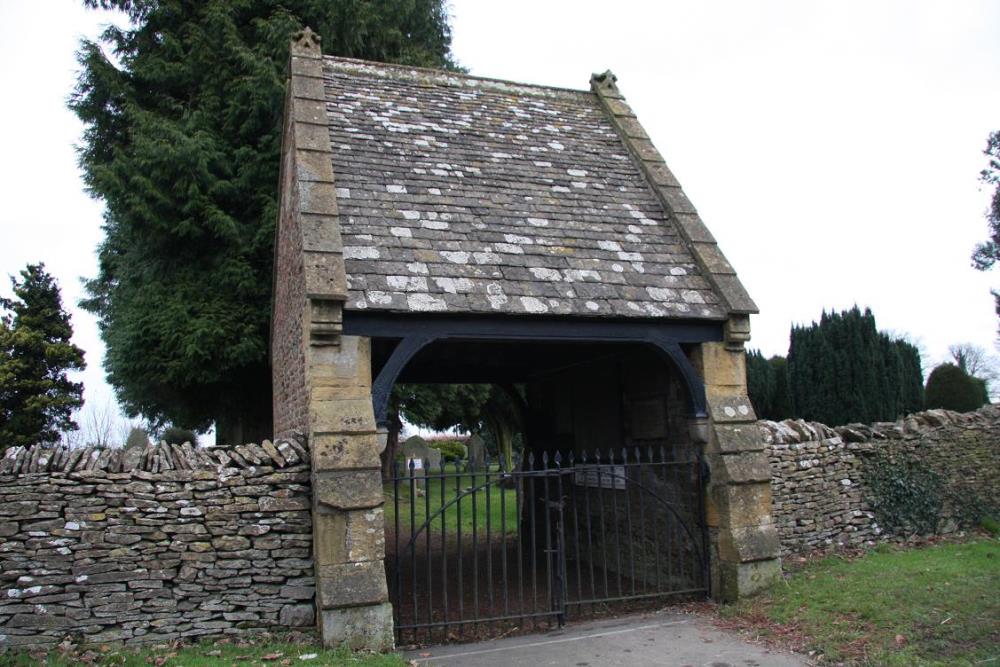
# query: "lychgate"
{"type": "Point", "coordinates": [440, 227]}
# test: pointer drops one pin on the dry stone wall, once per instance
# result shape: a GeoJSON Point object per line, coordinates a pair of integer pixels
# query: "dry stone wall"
{"type": "Point", "coordinates": [153, 543]}
{"type": "Point", "coordinates": [819, 497]}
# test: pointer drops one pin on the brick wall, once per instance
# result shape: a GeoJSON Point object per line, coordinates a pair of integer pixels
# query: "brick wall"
{"type": "Point", "coordinates": [818, 488]}
{"type": "Point", "coordinates": [154, 543]}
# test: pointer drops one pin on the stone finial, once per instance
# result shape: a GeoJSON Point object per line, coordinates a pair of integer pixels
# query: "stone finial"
{"type": "Point", "coordinates": [606, 82]}
{"type": "Point", "coordinates": [306, 43]}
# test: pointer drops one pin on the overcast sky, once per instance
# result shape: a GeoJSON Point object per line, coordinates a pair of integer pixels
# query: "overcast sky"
{"type": "Point", "coordinates": [833, 148]}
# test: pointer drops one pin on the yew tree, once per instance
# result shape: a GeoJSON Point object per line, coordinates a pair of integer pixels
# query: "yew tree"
{"type": "Point", "coordinates": [182, 111]}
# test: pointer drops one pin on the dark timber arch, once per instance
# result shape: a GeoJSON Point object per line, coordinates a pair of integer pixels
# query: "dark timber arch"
{"type": "Point", "coordinates": [415, 333]}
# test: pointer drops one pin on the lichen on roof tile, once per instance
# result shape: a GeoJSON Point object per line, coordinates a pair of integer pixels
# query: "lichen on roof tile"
{"type": "Point", "coordinates": [462, 194]}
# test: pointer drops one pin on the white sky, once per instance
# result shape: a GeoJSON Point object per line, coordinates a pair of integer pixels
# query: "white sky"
{"type": "Point", "coordinates": [832, 148]}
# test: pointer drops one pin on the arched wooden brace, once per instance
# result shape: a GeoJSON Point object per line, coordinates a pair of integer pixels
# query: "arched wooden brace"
{"type": "Point", "coordinates": [668, 348]}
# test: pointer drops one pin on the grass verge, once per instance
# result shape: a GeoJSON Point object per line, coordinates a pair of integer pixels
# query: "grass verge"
{"type": "Point", "coordinates": [935, 605]}
{"type": "Point", "coordinates": [267, 651]}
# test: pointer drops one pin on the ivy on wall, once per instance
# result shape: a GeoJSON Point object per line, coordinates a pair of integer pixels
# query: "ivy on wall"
{"type": "Point", "coordinates": [904, 493]}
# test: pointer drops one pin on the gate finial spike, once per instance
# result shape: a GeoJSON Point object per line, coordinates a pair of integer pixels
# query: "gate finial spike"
{"type": "Point", "coordinates": [558, 459]}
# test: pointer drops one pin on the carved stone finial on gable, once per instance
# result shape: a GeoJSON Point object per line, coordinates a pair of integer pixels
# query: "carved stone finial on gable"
{"type": "Point", "coordinates": [606, 82]}
{"type": "Point", "coordinates": [306, 43]}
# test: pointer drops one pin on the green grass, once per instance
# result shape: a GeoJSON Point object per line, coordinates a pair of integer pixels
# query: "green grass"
{"type": "Point", "coordinates": [936, 605]}
{"type": "Point", "coordinates": [203, 654]}
{"type": "Point", "coordinates": [499, 502]}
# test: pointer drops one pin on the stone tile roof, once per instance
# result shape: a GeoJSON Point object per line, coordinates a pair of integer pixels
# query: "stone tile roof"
{"type": "Point", "coordinates": [462, 194]}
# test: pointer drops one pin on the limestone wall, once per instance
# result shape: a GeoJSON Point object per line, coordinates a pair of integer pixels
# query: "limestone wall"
{"type": "Point", "coordinates": [818, 490]}
{"type": "Point", "coordinates": [148, 544]}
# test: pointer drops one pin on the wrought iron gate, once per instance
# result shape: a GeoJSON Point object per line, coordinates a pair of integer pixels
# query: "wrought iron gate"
{"type": "Point", "coordinates": [475, 553]}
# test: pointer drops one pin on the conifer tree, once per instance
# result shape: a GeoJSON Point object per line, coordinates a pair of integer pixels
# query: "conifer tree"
{"type": "Point", "coordinates": [37, 398]}
{"type": "Point", "coordinates": [181, 144]}
{"type": "Point", "coordinates": [842, 369]}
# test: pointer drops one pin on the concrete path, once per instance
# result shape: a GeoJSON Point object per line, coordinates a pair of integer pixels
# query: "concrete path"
{"type": "Point", "coordinates": [668, 639]}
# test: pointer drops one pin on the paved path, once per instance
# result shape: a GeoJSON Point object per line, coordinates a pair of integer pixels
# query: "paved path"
{"type": "Point", "coordinates": [668, 639]}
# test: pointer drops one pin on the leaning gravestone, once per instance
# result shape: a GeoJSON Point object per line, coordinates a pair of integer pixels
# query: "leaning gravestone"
{"type": "Point", "coordinates": [476, 460]}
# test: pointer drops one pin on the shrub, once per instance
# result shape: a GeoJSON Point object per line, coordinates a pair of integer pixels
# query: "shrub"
{"type": "Point", "coordinates": [175, 435]}
{"type": "Point", "coordinates": [948, 386]}
{"type": "Point", "coordinates": [451, 450]}
{"type": "Point", "coordinates": [137, 437]}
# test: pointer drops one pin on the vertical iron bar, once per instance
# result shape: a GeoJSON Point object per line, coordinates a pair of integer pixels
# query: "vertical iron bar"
{"type": "Point", "coordinates": [590, 534]}
{"type": "Point", "coordinates": [443, 502]}
{"type": "Point", "coordinates": [644, 531]}
{"type": "Point", "coordinates": [548, 532]}
{"type": "Point", "coordinates": [576, 529]}
{"type": "Point", "coordinates": [678, 534]}
{"type": "Point", "coordinates": [489, 541]}
{"type": "Point", "coordinates": [461, 548]}
{"type": "Point", "coordinates": [654, 519]}
{"type": "Point", "coordinates": [428, 485]}
{"type": "Point", "coordinates": [398, 601]}
{"type": "Point", "coordinates": [519, 491]}
{"type": "Point", "coordinates": [604, 535]}
{"type": "Point", "coordinates": [561, 543]}
{"type": "Point", "coordinates": [617, 524]}
{"type": "Point", "coordinates": [534, 539]}
{"type": "Point", "coordinates": [503, 534]}
{"type": "Point", "coordinates": [628, 517]}
{"type": "Point", "coordinates": [668, 520]}
{"type": "Point", "coordinates": [413, 544]}
{"type": "Point", "coordinates": [700, 490]}
{"type": "Point", "coordinates": [475, 548]}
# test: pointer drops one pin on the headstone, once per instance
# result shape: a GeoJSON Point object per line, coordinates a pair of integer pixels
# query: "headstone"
{"type": "Point", "coordinates": [477, 453]}
{"type": "Point", "coordinates": [423, 456]}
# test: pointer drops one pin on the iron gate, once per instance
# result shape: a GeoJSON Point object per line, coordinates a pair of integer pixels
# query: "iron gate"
{"type": "Point", "coordinates": [475, 553]}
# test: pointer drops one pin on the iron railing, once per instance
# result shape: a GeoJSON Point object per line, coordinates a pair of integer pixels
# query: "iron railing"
{"type": "Point", "coordinates": [471, 553]}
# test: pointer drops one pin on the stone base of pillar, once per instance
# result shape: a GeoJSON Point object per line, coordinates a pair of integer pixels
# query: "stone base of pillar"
{"type": "Point", "coordinates": [740, 580]}
{"type": "Point", "coordinates": [367, 628]}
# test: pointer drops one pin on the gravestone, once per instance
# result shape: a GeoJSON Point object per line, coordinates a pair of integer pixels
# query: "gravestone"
{"type": "Point", "coordinates": [476, 460]}
{"type": "Point", "coordinates": [423, 455]}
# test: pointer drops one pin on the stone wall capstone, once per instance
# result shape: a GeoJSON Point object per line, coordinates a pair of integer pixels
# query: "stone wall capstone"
{"type": "Point", "coordinates": [817, 472]}
{"type": "Point", "coordinates": [153, 543]}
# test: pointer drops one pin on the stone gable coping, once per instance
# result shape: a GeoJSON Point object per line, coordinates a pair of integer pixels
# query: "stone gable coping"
{"type": "Point", "coordinates": [315, 190]}
{"type": "Point", "coordinates": [696, 236]}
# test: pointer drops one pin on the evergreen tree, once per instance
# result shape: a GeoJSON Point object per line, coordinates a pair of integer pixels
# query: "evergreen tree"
{"type": "Point", "coordinates": [181, 144]}
{"type": "Point", "coordinates": [842, 369]}
{"type": "Point", "coordinates": [987, 253]}
{"type": "Point", "coordinates": [767, 385]}
{"type": "Point", "coordinates": [760, 383]}
{"type": "Point", "coordinates": [781, 401]}
{"type": "Point", "coordinates": [36, 397]}
{"type": "Point", "coordinates": [950, 387]}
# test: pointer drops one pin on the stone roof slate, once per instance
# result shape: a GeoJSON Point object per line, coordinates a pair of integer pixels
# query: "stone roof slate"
{"type": "Point", "coordinates": [462, 194]}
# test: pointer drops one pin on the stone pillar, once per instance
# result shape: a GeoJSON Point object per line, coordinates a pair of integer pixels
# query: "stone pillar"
{"type": "Point", "coordinates": [744, 539]}
{"type": "Point", "coordinates": [348, 539]}
{"type": "Point", "coordinates": [328, 384]}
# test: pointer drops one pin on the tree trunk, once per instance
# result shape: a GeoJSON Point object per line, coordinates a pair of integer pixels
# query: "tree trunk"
{"type": "Point", "coordinates": [249, 418]}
